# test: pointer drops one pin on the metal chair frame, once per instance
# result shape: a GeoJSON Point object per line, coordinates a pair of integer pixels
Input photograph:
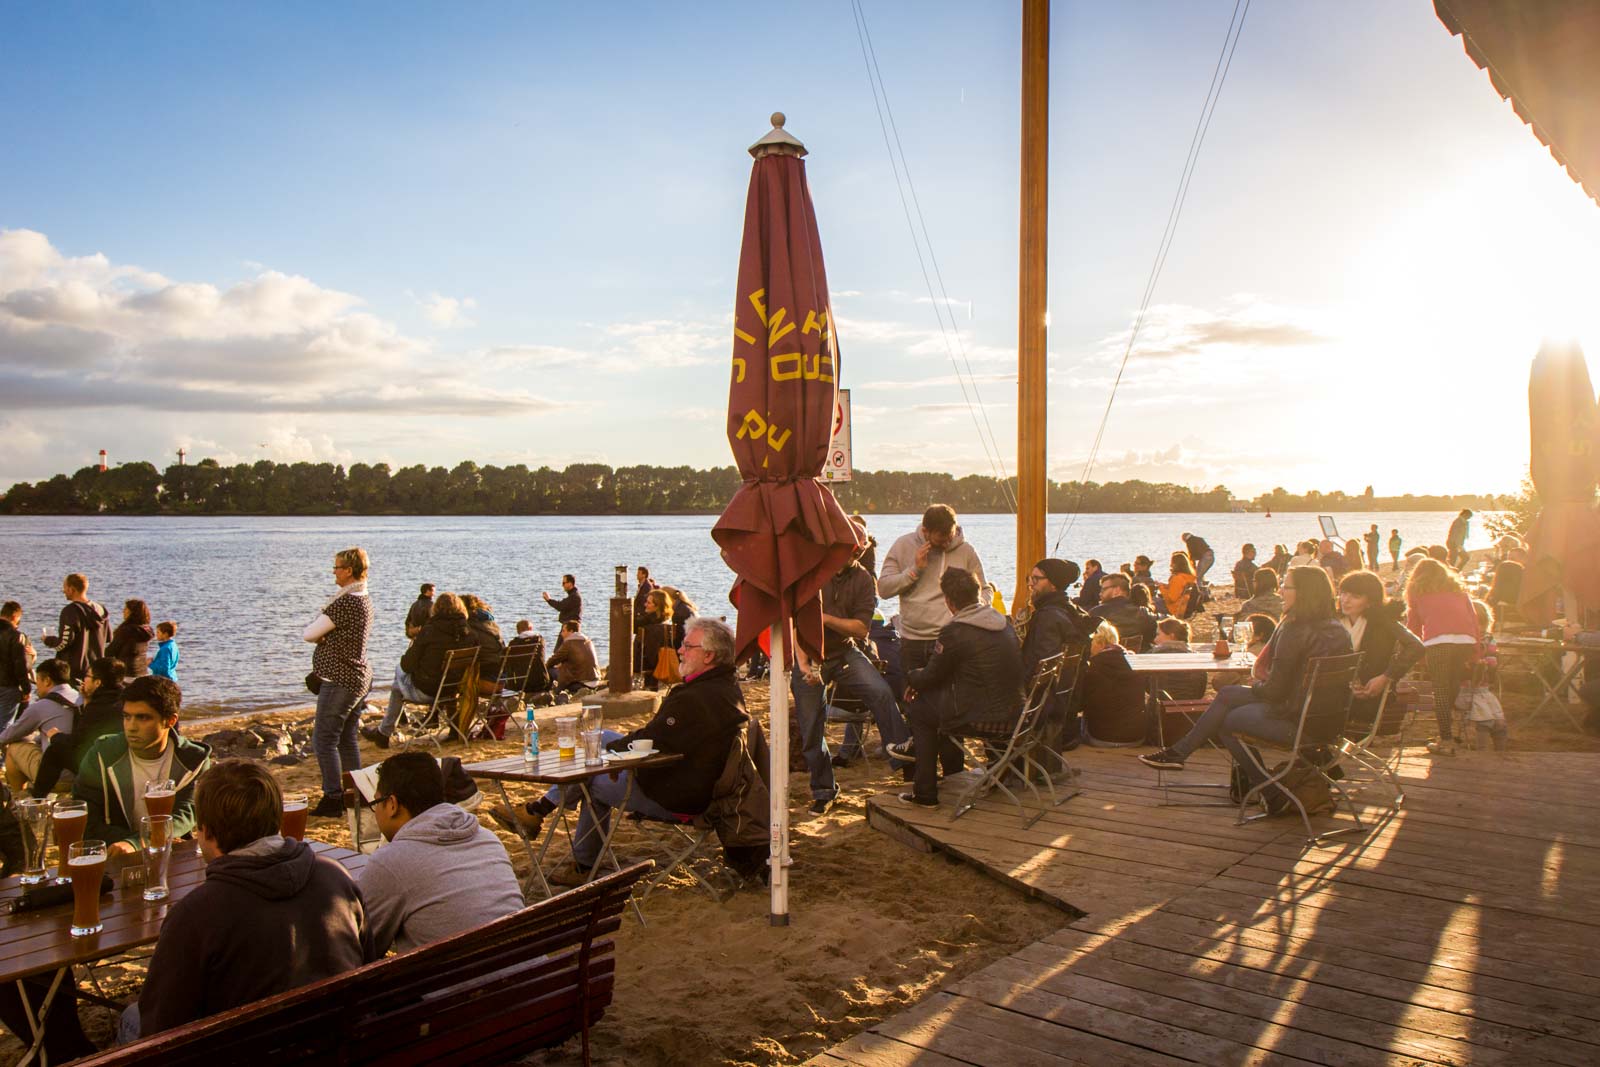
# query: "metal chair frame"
{"type": "Point", "coordinates": [426, 725]}
{"type": "Point", "coordinates": [1327, 699]}
{"type": "Point", "coordinates": [680, 844]}
{"type": "Point", "coordinates": [1017, 758]}
{"type": "Point", "coordinates": [1390, 720]}
{"type": "Point", "coordinates": [515, 666]}
{"type": "Point", "coordinates": [851, 713]}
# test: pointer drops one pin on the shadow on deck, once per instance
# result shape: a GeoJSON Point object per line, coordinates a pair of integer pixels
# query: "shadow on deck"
{"type": "Point", "coordinates": [1458, 930]}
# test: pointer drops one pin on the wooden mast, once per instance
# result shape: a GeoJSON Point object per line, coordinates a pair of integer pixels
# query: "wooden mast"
{"type": "Point", "coordinates": [1032, 293]}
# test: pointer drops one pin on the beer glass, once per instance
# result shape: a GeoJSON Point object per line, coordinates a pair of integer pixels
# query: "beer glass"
{"type": "Point", "coordinates": [295, 808]}
{"type": "Point", "coordinates": [87, 863]}
{"type": "Point", "coordinates": [567, 737]}
{"type": "Point", "coordinates": [71, 818]}
{"type": "Point", "coordinates": [159, 796]}
{"type": "Point", "coordinates": [49, 633]}
{"type": "Point", "coordinates": [1242, 634]}
{"type": "Point", "coordinates": [33, 813]}
{"type": "Point", "coordinates": [155, 841]}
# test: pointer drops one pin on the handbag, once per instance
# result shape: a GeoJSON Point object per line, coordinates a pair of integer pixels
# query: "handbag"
{"type": "Point", "coordinates": [314, 683]}
{"type": "Point", "coordinates": [1484, 706]}
{"type": "Point", "coordinates": [667, 667]}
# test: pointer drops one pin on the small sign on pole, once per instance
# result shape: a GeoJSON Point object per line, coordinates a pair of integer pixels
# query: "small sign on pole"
{"type": "Point", "coordinates": [837, 467]}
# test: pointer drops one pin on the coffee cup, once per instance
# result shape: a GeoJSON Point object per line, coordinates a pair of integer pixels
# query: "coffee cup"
{"type": "Point", "coordinates": [642, 746]}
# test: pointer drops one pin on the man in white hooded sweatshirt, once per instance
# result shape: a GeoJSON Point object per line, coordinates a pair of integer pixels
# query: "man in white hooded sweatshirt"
{"type": "Point", "coordinates": [911, 571]}
{"type": "Point", "coordinates": [441, 872]}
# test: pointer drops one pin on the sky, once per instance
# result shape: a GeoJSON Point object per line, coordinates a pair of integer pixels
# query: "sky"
{"type": "Point", "coordinates": [423, 233]}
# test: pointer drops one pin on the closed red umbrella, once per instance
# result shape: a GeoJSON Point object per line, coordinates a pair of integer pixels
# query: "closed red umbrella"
{"type": "Point", "coordinates": [1564, 542]}
{"type": "Point", "coordinates": [783, 533]}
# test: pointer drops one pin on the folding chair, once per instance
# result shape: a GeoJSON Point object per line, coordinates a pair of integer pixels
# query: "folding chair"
{"type": "Point", "coordinates": [1323, 712]}
{"type": "Point", "coordinates": [505, 701]}
{"type": "Point", "coordinates": [1014, 751]}
{"type": "Point", "coordinates": [1190, 711]}
{"type": "Point", "coordinates": [423, 722]}
{"type": "Point", "coordinates": [852, 714]}
{"type": "Point", "coordinates": [685, 844]}
{"type": "Point", "coordinates": [1360, 746]}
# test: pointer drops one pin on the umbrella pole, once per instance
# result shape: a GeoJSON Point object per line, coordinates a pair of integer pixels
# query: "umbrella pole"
{"type": "Point", "coordinates": [778, 775]}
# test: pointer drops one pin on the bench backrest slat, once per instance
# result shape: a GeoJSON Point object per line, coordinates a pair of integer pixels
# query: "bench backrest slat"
{"type": "Point", "coordinates": [470, 998]}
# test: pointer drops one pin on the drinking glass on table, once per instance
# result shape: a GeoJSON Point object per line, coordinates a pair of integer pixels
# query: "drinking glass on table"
{"type": "Point", "coordinates": [155, 844]}
{"type": "Point", "coordinates": [1243, 632]}
{"type": "Point", "coordinates": [70, 819]}
{"type": "Point", "coordinates": [87, 864]}
{"type": "Point", "coordinates": [567, 736]}
{"type": "Point", "coordinates": [592, 746]}
{"type": "Point", "coordinates": [159, 795]}
{"type": "Point", "coordinates": [295, 808]}
{"type": "Point", "coordinates": [33, 813]}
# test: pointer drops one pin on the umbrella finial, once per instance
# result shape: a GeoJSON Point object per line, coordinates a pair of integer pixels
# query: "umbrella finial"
{"type": "Point", "coordinates": [778, 140]}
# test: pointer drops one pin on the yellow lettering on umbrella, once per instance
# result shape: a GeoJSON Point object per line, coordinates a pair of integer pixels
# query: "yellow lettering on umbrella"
{"type": "Point", "coordinates": [787, 367]}
{"type": "Point", "coordinates": [742, 336]}
{"type": "Point", "coordinates": [754, 426]}
{"type": "Point", "coordinates": [777, 329]}
{"type": "Point", "coordinates": [739, 367]}
{"type": "Point", "coordinates": [758, 301]}
{"type": "Point", "coordinates": [817, 324]}
{"type": "Point", "coordinates": [778, 442]}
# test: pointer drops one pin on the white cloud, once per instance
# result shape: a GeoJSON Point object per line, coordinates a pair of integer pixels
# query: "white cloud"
{"type": "Point", "coordinates": [446, 311]}
{"type": "Point", "coordinates": [1246, 325]}
{"type": "Point", "coordinates": [85, 333]}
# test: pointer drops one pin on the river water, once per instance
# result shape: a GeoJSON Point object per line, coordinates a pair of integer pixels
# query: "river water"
{"type": "Point", "coordinates": [242, 588]}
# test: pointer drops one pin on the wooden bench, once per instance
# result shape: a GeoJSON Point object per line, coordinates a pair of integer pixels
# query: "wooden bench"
{"type": "Point", "coordinates": [527, 981]}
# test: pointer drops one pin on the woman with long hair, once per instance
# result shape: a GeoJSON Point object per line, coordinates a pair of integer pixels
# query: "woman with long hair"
{"type": "Point", "coordinates": [656, 630]}
{"type": "Point", "coordinates": [1352, 556]}
{"type": "Point", "coordinates": [130, 642]}
{"type": "Point", "coordinates": [1269, 709]}
{"type": "Point", "coordinates": [1176, 592]}
{"type": "Point", "coordinates": [1505, 590]}
{"type": "Point", "coordinates": [683, 609]}
{"type": "Point", "coordinates": [1439, 611]}
{"type": "Point", "coordinates": [421, 671]}
{"type": "Point", "coordinates": [1388, 650]}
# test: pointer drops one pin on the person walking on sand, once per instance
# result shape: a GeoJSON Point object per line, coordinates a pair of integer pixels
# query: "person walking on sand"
{"type": "Point", "coordinates": [340, 631]}
{"type": "Point", "coordinates": [1372, 537]}
{"type": "Point", "coordinates": [1455, 542]}
{"type": "Point", "coordinates": [1395, 545]}
{"type": "Point", "coordinates": [911, 572]}
{"type": "Point", "coordinates": [1200, 553]}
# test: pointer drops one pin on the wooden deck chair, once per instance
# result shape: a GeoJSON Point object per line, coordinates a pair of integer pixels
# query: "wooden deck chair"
{"type": "Point", "coordinates": [424, 722]}
{"type": "Point", "coordinates": [1319, 728]}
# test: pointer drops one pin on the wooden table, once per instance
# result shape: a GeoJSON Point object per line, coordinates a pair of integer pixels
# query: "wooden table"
{"type": "Point", "coordinates": [1156, 664]}
{"type": "Point", "coordinates": [553, 770]}
{"type": "Point", "coordinates": [39, 942]}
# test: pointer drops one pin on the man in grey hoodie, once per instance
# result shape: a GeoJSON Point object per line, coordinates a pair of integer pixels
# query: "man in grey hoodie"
{"type": "Point", "coordinates": [911, 571]}
{"type": "Point", "coordinates": [441, 873]}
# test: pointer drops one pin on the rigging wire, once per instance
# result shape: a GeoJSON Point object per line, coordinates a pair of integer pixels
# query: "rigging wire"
{"type": "Point", "coordinates": [940, 300]}
{"type": "Point", "coordinates": [1219, 77]}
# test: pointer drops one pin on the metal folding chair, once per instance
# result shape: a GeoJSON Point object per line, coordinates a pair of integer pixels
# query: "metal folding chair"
{"type": "Point", "coordinates": [1361, 745]}
{"type": "Point", "coordinates": [425, 722]}
{"type": "Point", "coordinates": [505, 700]}
{"type": "Point", "coordinates": [686, 844]}
{"type": "Point", "coordinates": [1324, 710]}
{"type": "Point", "coordinates": [852, 714]}
{"type": "Point", "coordinates": [1015, 753]}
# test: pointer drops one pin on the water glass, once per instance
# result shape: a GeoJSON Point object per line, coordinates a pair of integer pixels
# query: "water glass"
{"type": "Point", "coordinates": [155, 841]}
{"type": "Point", "coordinates": [593, 717]}
{"type": "Point", "coordinates": [33, 813]}
{"type": "Point", "coordinates": [49, 633]}
{"type": "Point", "coordinates": [593, 742]}
{"type": "Point", "coordinates": [86, 862]}
{"type": "Point", "coordinates": [1242, 633]}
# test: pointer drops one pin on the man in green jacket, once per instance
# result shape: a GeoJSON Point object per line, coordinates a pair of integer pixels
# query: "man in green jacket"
{"type": "Point", "coordinates": [116, 768]}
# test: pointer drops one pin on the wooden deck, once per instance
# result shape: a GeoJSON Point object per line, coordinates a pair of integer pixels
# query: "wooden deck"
{"type": "Point", "coordinates": [1461, 930]}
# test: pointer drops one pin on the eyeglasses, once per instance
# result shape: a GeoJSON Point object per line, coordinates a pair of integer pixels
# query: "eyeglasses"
{"type": "Point", "coordinates": [379, 800]}
{"type": "Point", "coordinates": [686, 646]}
{"type": "Point", "coordinates": [1033, 578]}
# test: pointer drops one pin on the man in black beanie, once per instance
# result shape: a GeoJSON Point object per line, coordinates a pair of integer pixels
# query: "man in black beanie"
{"type": "Point", "coordinates": [1057, 625]}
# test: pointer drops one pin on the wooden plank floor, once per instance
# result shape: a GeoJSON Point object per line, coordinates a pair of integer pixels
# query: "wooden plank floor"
{"type": "Point", "coordinates": [1460, 929]}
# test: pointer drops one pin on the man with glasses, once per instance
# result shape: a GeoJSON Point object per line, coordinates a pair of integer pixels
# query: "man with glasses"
{"type": "Point", "coordinates": [1115, 607]}
{"type": "Point", "coordinates": [1056, 625]}
{"type": "Point", "coordinates": [441, 872]}
{"type": "Point", "coordinates": [700, 719]}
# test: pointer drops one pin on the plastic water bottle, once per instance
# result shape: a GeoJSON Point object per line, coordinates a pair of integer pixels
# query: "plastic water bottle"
{"type": "Point", "coordinates": [530, 739]}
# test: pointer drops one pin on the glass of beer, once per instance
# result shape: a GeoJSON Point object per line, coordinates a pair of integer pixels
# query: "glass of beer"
{"type": "Point", "coordinates": [567, 737]}
{"type": "Point", "coordinates": [87, 863]}
{"type": "Point", "coordinates": [158, 796]}
{"type": "Point", "coordinates": [155, 841]}
{"type": "Point", "coordinates": [71, 818]}
{"type": "Point", "coordinates": [33, 813]}
{"type": "Point", "coordinates": [293, 823]}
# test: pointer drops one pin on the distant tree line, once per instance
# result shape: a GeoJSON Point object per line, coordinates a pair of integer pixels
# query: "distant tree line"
{"type": "Point", "coordinates": [269, 488]}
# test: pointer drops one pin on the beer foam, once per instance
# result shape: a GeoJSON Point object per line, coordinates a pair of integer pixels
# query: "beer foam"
{"type": "Point", "coordinates": [157, 794]}
{"type": "Point", "coordinates": [296, 806]}
{"type": "Point", "coordinates": [85, 861]}
{"type": "Point", "coordinates": [69, 816]}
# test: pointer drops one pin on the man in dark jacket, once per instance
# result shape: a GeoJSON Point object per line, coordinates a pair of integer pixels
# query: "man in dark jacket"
{"type": "Point", "coordinates": [1129, 618]}
{"type": "Point", "coordinates": [421, 608]}
{"type": "Point", "coordinates": [1058, 625]}
{"type": "Point", "coordinates": [1089, 595]}
{"type": "Point", "coordinates": [700, 718]}
{"type": "Point", "coordinates": [645, 585]}
{"type": "Point", "coordinates": [304, 916]}
{"type": "Point", "coordinates": [85, 628]}
{"type": "Point", "coordinates": [1200, 552]}
{"type": "Point", "coordinates": [570, 607]}
{"type": "Point", "coordinates": [16, 662]}
{"type": "Point", "coordinates": [973, 676]}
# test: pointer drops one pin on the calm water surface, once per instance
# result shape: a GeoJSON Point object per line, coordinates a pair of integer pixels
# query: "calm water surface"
{"type": "Point", "coordinates": [242, 589]}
